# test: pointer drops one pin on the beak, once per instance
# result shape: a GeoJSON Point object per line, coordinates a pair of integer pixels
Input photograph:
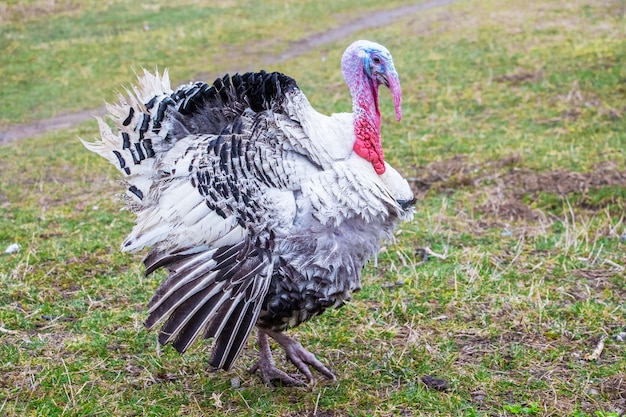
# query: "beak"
{"type": "Point", "coordinates": [392, 82]}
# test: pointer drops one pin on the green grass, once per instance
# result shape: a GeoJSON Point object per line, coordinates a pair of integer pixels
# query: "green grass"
{"type": "Point", "coordinates": [513, 138]}
{"type": "Point", "coordinates": [73, 55]}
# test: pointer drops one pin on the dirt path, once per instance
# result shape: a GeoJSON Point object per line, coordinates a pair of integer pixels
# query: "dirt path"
{"type": "Point", "coordinates": [367, 21]}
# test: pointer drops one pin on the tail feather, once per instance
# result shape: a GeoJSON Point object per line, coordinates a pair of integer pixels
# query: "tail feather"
{"type": "Point", "coordinates": [142, 132]}
{"type": "Point", "coordinates": [215, 293]}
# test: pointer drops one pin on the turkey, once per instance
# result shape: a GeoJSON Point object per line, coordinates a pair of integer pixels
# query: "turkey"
{"type": "Point", "coordinates": [262, 210]}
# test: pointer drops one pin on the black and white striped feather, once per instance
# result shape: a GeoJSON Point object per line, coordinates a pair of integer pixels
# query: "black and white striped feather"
{"type": "Point", "coordinates": [216, 293]}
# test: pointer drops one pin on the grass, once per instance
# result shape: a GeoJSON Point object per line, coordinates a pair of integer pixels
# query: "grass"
{"type": "Point", "coordinates": [513, 138]}
{"type": "Point", "coordinates": [63, 55]}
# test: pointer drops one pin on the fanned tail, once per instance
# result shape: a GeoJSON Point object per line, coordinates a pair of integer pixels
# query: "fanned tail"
{"type": "Point", "coordinates": [142, 132]}
{"type": "Point", "coordinates": [150, 119]}
{"type": "Point", "coordinates": [217, 293]}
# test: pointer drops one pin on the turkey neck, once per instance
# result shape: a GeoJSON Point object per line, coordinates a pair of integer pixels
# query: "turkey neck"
{"type": "Point", "coordinates": [367, 121]}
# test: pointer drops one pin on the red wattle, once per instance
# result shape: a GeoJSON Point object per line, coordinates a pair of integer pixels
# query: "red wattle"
{"type": "Point", "coordinates": [368, 146]}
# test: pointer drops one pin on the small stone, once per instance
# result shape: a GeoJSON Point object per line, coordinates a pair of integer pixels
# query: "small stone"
{"type": "Point", "coordinates": [12, 248]}
{"type": "Point", "coordinates": [478, 396]}
{"type": "Point", "coordinates": [436, 383]}
{"type": "Point", "coordinates": [235, 382]}
{"type": "Point", "coordinates": [422, 254]}
{"type": "Point", "coordinates": [621, 337]}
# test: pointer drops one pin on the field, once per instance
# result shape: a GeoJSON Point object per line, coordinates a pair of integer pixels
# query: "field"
{"type": "Point", "coordinates": [505, 296]}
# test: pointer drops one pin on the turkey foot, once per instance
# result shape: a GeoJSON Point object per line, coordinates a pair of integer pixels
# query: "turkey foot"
{"type": "Point", "coordinates": [297, 354]}
{"type": "Point", "coordinates": [267, 367]}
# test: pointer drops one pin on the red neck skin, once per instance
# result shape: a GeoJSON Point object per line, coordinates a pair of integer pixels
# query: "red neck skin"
{"type": "Point", "coordinates": [367, 123]}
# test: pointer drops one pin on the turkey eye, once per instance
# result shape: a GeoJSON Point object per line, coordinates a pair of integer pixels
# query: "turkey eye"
{"type": "Point", "coordinates": [376, 60]}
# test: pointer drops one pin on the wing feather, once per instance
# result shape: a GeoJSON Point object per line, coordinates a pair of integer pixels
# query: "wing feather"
{"type": "Point", "coordinates": [218, 293]}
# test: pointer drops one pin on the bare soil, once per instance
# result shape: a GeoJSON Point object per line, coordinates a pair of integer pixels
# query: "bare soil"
{"type": "Point", "coordinates": [507, 183]}
{"type": "Point", "coordinates": [365, 21]}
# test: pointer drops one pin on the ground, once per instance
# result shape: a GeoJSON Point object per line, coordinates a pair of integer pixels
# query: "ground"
{"type": "Point", "coordinates": [504, 296]}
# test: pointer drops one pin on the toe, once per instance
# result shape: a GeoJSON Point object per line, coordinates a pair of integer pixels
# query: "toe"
{"type": "Point", "coordinates": [273, 376]}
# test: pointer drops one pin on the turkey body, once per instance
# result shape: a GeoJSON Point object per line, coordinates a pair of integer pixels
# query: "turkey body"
{"type": "Point", "coordinates": [261, 209]}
